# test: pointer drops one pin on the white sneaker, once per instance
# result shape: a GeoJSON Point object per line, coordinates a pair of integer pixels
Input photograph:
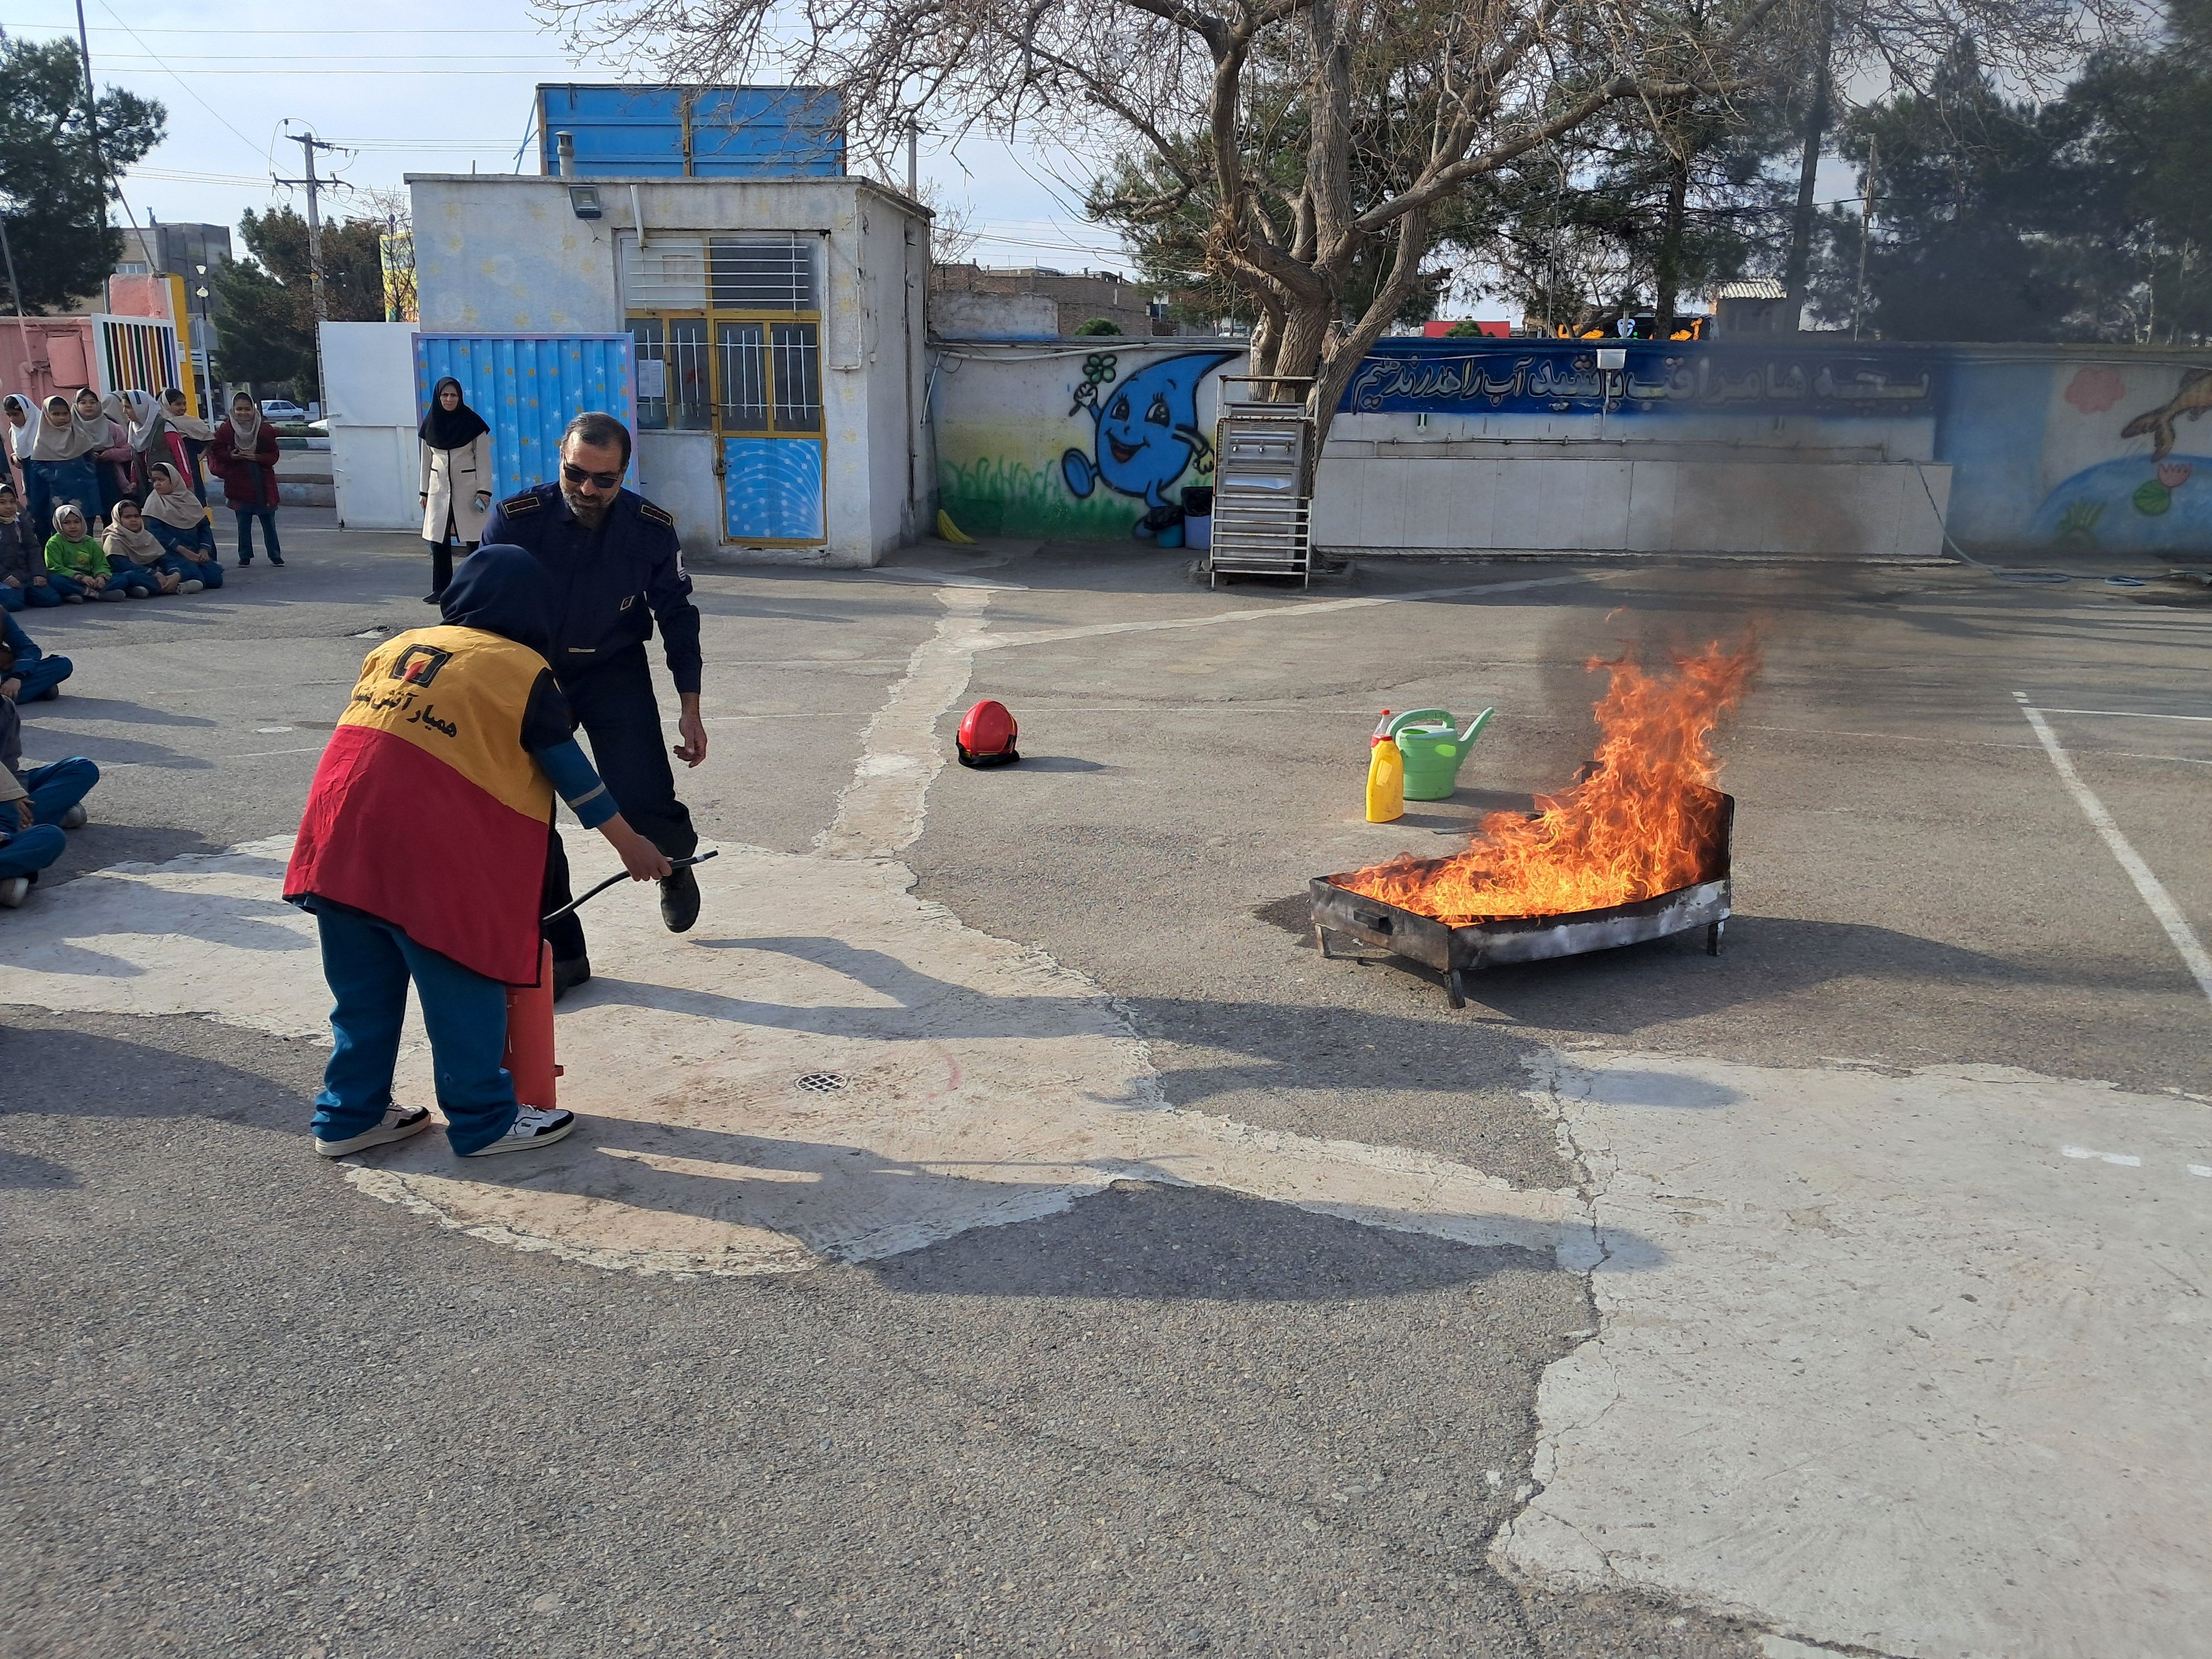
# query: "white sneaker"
{"type": "Point", "coordinates": [191, 587]}
{"type": "Point", "coordinates": [14, 890]}
{"type": "Point", "coordinates": [533, 1127]}
{"type": "Point", "coordinates": [75, 818]}
{"type": "Point", "coordinates": [399, 1122]}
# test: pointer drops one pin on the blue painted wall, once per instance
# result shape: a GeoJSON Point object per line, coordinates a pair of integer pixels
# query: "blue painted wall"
{"type": "Point", "coordinates": [2052, 448]}
{"type": "Point", "coordinates": [737, 132]}
{"type": "Point", "coordinates": [1662, 379]}
{"type": "Point", "coordinates": [528, 387]}
{"type": "Point", "coordinates": [2078, 450]}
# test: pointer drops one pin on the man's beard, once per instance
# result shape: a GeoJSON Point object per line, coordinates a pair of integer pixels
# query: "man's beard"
{"type": "Point", "coordinates": [589, 514]}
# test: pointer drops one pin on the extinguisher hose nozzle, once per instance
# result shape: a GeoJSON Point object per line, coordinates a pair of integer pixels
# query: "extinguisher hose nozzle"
{"type": "Point", "coordinates": [685, 863]}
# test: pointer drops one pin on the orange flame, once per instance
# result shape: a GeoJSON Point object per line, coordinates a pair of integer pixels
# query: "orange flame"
{"type": "Point", "coordinates": [1634, 827]}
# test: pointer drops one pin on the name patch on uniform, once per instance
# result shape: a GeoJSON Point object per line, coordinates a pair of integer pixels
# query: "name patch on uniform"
{"type": "Point", "coordinates": [658, 515]}
{"type": "Point", "coordinates": [525, 503]}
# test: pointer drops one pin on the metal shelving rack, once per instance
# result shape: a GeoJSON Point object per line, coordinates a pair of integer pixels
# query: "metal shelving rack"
{"type": "Point", "coordinates": [1262, 516]}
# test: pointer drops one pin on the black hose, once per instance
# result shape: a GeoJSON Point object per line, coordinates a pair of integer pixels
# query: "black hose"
{"type": "Point", "coordinates": [574, 903]}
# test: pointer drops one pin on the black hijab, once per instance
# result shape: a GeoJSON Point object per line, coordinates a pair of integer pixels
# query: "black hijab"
{"type": "Point", "coordinates": [445, 429]}
{"type": "Point", "coordinates": [503, 590]}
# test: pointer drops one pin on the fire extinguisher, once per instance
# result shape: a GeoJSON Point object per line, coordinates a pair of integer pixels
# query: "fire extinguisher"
{"type": "Point", "coordinates": [529, 1056]}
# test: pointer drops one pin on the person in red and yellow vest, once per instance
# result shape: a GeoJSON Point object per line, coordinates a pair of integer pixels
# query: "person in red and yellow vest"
{"type": "Point", "coordinates": [422, 851]}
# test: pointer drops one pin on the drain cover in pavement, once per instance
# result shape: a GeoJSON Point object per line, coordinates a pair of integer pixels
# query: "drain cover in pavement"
{"type": "Point", "coordinates": [822, 1083]}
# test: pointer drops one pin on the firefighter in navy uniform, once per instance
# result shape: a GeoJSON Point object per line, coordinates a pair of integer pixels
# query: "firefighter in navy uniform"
{"type": "Point", "coordinates": [615, 570]}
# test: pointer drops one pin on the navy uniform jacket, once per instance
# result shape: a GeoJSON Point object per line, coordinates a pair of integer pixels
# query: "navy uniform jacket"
{"type": "Point", "coordinates": [609, 585]}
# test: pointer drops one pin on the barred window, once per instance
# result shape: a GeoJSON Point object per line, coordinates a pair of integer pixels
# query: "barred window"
{"type": "Point", "coordinates": [763, 273]}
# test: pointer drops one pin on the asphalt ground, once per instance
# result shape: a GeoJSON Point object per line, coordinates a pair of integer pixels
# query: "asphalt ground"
{"type": "Point", "coordinates": [249, 1411]}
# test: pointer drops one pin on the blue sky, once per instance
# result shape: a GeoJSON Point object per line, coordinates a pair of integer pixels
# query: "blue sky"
{"type": "Point", "coordinates": [436, 85]}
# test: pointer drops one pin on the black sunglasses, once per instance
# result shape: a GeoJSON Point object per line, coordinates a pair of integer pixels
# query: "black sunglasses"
{"type": "Point", "coordinates": [573, 474]}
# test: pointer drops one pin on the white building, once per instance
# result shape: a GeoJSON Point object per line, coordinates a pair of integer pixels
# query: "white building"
{"type": "Point", "coordinates": [778, 335]}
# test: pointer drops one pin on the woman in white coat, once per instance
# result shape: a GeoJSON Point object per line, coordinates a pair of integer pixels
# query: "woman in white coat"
{"type": "Point", "coordinates": [456, 486]}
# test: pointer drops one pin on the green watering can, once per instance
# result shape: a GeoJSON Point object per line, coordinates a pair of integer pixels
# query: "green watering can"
{"type": "Point", "coordinates": [1433, 750]}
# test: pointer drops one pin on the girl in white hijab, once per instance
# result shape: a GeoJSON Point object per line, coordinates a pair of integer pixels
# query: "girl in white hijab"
{"type": "Point", "coordinates": [109, 449]}
{"type": "Point", "coordinates": [21, 428]}
{"type": "Point", "coordinates": [134, 555]}
{"type": "Point", "coordinates": [180, 438]}
{"type": "Point", "coordinates": [177, 518]}
{"type": "Point", "coordinates": [243, 455]}
{"type": "Point", "coordinates": [57, 469]}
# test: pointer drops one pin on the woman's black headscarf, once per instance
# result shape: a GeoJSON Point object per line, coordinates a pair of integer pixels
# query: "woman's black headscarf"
{"type": "Point", "coordinates": [503, 590]}
{"type": "Point", "coordinates": [454, 428]}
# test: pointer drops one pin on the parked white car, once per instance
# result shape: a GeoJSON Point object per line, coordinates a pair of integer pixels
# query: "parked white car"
{"type": "Point", "coordinates": [279, 409]}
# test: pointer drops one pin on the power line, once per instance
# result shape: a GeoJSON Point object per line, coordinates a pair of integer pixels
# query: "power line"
{"type": "Point", "coordinates": [124, 28]}
{"type": "Point", "coordinates": [181, 81]}
{"type": "Point", "coordinates": [350, 73]}
{"type": "Point", "coordinates": [173, 175]}
{"type": "Point", "coordinates": [152, 57]}
{"type": "Point", "coordinates": [309, 145]}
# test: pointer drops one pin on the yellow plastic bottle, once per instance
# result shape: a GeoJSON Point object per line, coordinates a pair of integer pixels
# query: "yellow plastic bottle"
{"type": "Point", "coordinates": [1386, 776]}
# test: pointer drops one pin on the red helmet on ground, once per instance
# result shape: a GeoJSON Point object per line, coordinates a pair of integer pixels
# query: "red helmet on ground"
{"type": "Point", "coordinates": [988, 735]}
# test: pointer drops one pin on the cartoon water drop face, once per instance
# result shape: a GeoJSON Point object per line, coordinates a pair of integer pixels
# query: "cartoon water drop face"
{"type": "Point", "coordinates": [1148, 429]}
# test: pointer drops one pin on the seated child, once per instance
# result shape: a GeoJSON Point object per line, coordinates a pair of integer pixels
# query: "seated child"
{"type": "Point", "coordinates": [51, 794]}
{"type": "Point", "coordinates": [26, 847]}
{"type": "Point", "coordinates": [137, 556]}
{"type": "Point", "coordinates": [178, 519]}
{"type": "Point", "coordinates": [76, 565]}
{"type": "Point", "coordinates": [22, 559]}
{"type": "Point", "coordinates": [422, 855]}
{"type": "Point", "coordinates": [37, 675]}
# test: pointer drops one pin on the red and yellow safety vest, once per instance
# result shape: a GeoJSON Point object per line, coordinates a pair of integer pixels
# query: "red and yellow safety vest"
{"type": "Point", "coordinates": [426, 810]}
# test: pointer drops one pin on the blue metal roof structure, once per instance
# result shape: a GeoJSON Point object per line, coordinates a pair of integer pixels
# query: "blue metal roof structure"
{"type": "Point", "coordinates": [528, 387]}
{"type": "Point", "coordinates": [694, 132]}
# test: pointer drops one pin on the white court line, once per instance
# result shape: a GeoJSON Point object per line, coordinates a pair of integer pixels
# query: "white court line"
{"type": "Point", "coordinates": [1094, 630]}
{"type": "Point", "coordinates": [2154, 891]}
{"type": "Point", "coordinates": [2125, 1160]}
{"type": "Point", "coordinates": [2129, 714]}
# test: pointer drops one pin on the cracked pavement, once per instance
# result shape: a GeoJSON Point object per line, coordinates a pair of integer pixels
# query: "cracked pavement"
{"type": "Point", "coordinates": [251, 1410]}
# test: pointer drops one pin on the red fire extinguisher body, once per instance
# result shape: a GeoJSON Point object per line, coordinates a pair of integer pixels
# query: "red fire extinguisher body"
{"type": "Point", "coordinates": [529, 1056]}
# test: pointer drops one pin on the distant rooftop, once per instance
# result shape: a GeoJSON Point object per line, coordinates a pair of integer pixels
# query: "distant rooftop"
{"type": "Point", "coordinates": [1752, 287]}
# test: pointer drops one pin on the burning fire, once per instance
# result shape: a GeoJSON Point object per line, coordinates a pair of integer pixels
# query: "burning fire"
{"type": "Point", "coordinates": [1632, 828]}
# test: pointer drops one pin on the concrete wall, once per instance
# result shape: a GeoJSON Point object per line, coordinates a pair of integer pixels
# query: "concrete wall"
{"type": "Point", "coordinates": [1523, 497]}
{"type": "Point", "coordinates": [2039, 438]}
{"type": "Point", "coordinates": [1797, 445]}
{"type": "Point", "coordinates": [507, 252]}
{"type": "Point", "coordinates": [1027, 432]}
{"type": "Point", "coordinates": [503, 253]}
{"type": "Point", "coordinates": [956, 315]}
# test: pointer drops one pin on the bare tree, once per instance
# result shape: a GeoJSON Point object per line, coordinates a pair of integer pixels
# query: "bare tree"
{"type": "Point", "coordinates": [953, 232]}
{"type": "Point", "coordinates": [392, 209]}
{"type": "Point", "coordinates": [1388, 108]}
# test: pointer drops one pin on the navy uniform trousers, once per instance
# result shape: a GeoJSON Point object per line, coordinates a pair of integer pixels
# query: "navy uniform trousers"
{"type": "Point", "coordinates": [614, 702]}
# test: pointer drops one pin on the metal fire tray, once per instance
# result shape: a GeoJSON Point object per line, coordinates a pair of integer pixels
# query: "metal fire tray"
{"type": "Point", "coordinates": [1455, 950]}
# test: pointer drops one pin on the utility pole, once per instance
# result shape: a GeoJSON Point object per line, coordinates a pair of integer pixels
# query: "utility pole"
{"type": "Point", "coordinates": [912, 159]}
{"type": "Point", "coordinates": [1866, 235]}
{"type": "Point", "coordinates": [309, 145]}
{"type": "Point", "coordinates": [91, 113]}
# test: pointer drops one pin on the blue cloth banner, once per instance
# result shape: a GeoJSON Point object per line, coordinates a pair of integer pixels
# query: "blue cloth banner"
{"type": "Point", "coordinates": [1561, 377]}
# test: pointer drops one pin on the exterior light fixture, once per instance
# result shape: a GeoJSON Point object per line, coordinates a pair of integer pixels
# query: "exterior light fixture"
{"type": "Point", "coordinates": [584, 201]}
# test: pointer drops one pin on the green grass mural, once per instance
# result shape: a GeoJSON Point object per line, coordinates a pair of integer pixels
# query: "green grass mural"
{"type": "Point", "coordinates": [1008, 498]}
